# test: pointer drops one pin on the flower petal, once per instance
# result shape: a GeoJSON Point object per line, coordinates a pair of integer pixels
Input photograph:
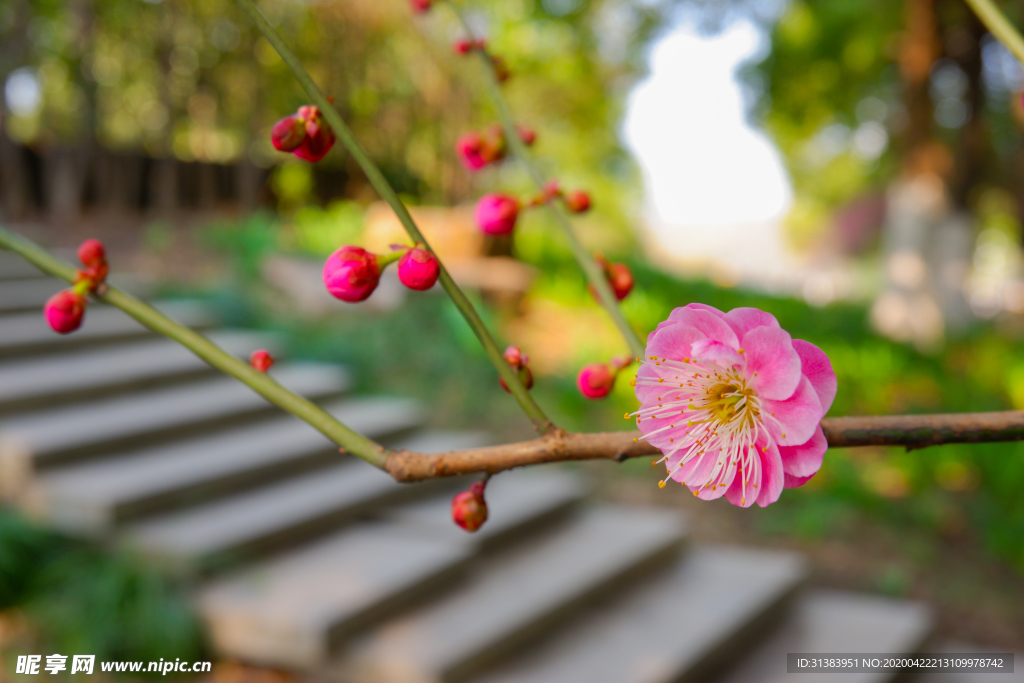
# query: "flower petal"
{"type": "Point", "coordinates": [773, 366]}
{"type": "Point", "coordinates": [772, 477]}
{"type": "Point", "coordinates": [816, 367]}
{"type": "Point", "coordinates": [792, 422]}
{"type": "Point", "coordinates": [707, 322]}
{"type": "Point", "coordinates": [713, 350]}
{"type": "Point", "coordinates": [735, 494]}
{"type": "Point", "coordinates": [804, 460]}
{"type": "Point", "coordinates": [673, 341]}
{"type": "Point", "coordinates": [796, 482]}
{"type": "Point", "coordinates": [701, 307]}
{"type": "Point", "coordinates": [743, 320]}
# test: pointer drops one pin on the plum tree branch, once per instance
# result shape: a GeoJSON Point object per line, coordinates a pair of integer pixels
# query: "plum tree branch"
{"type": "Point", "coordinates": [388, 194]}
{"type": "Point", "coordinates": [260, 382]}
{"type": "Point", "coordinates": [595, 276]}
{"type": "Point", "coordinates": [910, 431]}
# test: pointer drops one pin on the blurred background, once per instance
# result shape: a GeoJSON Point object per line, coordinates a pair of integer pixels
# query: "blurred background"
{"type": "Point", "coordinates": [857, 169]}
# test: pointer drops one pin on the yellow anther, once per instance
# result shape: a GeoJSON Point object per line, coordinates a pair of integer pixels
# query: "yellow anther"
{"type": "Point", "coordinates": [739, 350]}
{"type": "Point", "coordinates": [634, 438]}
{"type": "Point", "coordinates": [661, 484]}
{"type": "Point", "coordinates": [743, 501]}
{"type": "Point", "coordinates": [660, 379]}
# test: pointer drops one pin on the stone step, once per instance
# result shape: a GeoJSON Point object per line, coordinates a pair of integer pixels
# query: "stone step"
{"type": "Point", "coordinates": [517, 502]}
{"type": "Point", "coordinates": [92, 498]}
{"type": "Point", "coordinates": [223, 533]}
{"type": "Point", "coordinates": [27, 334]}
{"type": "Point", "coordinates": [289, 611]}
{"type": "Point", "coordinates": [515, 597]}
{"type": "Point", "coordinates": [36, 441]}
{"type": "Point", "coordinates": [30, 294]}
{"type": "Point", "coordinates": [828, 621]}
{"type": "Point", "coordinates": [681, 625]}
{"type": "Point", "coordinates": [47, 381]}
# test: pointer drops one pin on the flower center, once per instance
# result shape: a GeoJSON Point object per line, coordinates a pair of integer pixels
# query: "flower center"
{"type": "Point", "coordinates": [715, 420]}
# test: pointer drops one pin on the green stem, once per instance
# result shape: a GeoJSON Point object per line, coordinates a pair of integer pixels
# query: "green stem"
{"type": "Point", "coordinates": [594, 274]}
{"type": "Point", "coordinates": [260, 382]}
{"type": "Point", "coordinates": [997, 23]}
{"type": "Point", "coordinates": [387, 193]}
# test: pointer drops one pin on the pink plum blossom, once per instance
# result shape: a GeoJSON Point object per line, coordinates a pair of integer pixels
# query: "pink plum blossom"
{"type": "Point", "coordinates": [734, 403]}
{"type": "Point", "coordinates": [496, 213]}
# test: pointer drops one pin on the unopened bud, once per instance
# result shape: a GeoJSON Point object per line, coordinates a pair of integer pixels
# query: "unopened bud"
{"type": "Point", "coordinates": [578, 201]}
{"type": "Point", "coordinates": [595, 380]}
{"type": "Point", "coordinates": [351, 274]}
{"type": "Point", "coordinates": [287, 134]}
{"type": "Point", "coordinates": [496, 213]}
{"type": "Point", "coordinates": [527, 135]}
{"type": "Point", "coordinates": [469, 509]}
{"type": "Point", "coordinates": [418, 269]}
{"type": "Point", "coordinates": [261, 360]}
{"type": "Point", "coordinates": [469, 148]}
{"type": "Point", "coordinates": [64, 311]}
{"type": "Point", "coordinates": [520, 362]}
{"type": "Point", "coordinates": [420, 6]}
{"type": "Point", "coordinates": [91, 252]}
{"type": "Point", "coordinates": [463, 46]}
{"type": "Point", "coordinates": [501, 71]}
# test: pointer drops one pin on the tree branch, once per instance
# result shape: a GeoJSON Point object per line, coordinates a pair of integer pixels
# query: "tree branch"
{"type": "Point", "coordinates": [996, 22]}
{"type": "Point", "coordinates": [388, 194]}
{"type": "Point", "coordinates": [910, 431]}
{"type": "Point", "coordinates": [260, 382]}
{"type": "Point", "coordinates": [595, 276]}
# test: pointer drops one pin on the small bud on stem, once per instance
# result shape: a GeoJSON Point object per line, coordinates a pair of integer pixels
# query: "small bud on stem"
{"type": "Point", "coordinates": [520, 363]}
{"type": "Point", "coordinates": [261, 360]}
{"type": "Point", "coordinates": [469, 509]}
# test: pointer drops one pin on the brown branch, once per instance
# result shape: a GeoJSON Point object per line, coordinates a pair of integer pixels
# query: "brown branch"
{"type": "Point", "coordinates": [910, 431]}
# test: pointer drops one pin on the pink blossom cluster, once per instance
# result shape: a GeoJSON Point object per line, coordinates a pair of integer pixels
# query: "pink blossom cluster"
{"type": "Point", "coordinates": [352, 273]}
{"type": "Point", "coordinates": [65, 310]}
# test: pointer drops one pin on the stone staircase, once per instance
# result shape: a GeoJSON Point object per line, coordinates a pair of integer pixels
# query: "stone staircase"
{"type": "Point", "coordinates": [309, 560]}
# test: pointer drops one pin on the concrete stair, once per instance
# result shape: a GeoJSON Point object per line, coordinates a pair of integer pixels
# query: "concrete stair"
{"type": "Point", "coordinates": [307, 559]}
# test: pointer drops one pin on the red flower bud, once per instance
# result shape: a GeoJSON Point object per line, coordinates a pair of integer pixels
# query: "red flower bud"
{"type": "Point", "coordinates": [64, 311]}
{"type": "Point", "coordinates": [463, 46]}
{"type": "Point", "coordinates": [351, 274]}
{"type": "Point", "coordinates": [287, 134]}
{"type": "Point", "coordinates": [527, 135]}
{"type": "Point", "coordinates": [595, 380]}
{"type": "Point", "coordinates": [520, 363]}
{"type": "Point", "coordinates": [469, 509]}
{"type": "Point", "coordinates": [619, 277]}
{"type": "Point", "coordinates": [92, 253]}
{"type": "Point", "coordinates": [578, 201]}
{"type": "Point", "coordinates": [418, 269]}
{"type": "Point", "coordinates": [420, 6]}
{"type": "Point", "coordinates": [305, 134]}
{"type": "Point", "coordinates": [470, 148]}
{"type": "Point", "coordinates": [496, 213]}
{"type": "Point", "coordinates": [261, 360]}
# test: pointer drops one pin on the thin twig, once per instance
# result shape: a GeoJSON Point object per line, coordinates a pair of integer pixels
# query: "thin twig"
{"type": "Point", "coordinates": [595, 276]}
{"type": "Point", "coordinates": [260, 382]}
{"type": "Point", "coordinates": [388, 194]}
{"type": "Point", "coordinates": [910, 431]}
{"type": "Point", "coordinates": [997, 23]}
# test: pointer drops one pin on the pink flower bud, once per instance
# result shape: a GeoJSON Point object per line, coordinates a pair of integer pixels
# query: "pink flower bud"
{"type": "Point", "coordinates": [595, 380]}
{"type": "Point", "coordinates": [91, 253]}
{"type": "Point", "coordinates": [469, 509]}
{"type": "Point", "coordinates": [470, 148]}
{"type": "Point", "coordinates": [288, 133]}
{"type": "Point", "coordinates": [261, 360]}
{"type": "Point", "coordinates": [496, 213]}
{"type": "Point", "coordinates": [578, 201]}
{"type": "Point", "coordinates": [351, 274]}
{"type": "Point", "coordinates": [420, 6]}
{"type": "Point", "coordinates": [418, 269]}
{"type": "Point", "coordinates": [520, 363]}
{"type": "Point", "coordinates": [527, 135]}
{"type": "Point", "coordinates": [64, 311]}
{"type": "Point", "coordinates": [463, 46]}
